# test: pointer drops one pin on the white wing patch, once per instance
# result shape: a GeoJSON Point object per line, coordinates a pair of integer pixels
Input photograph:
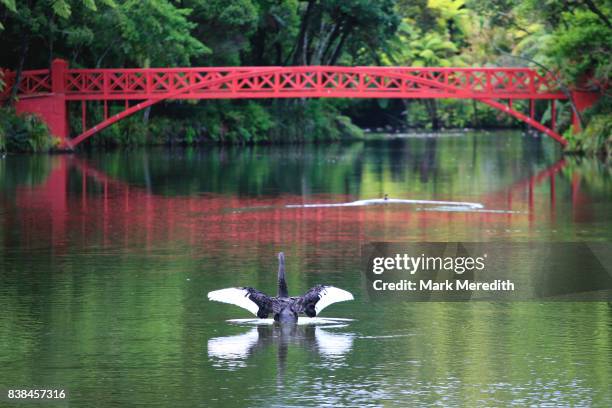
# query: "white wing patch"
{"type": "Point", "coordinates": [233, 347]}
{"type": "Point", "coordinates": [234, 296]}
{"type": "Point", "coordinates": [333, 344]}
{"type": "Point", "coordinates": [329, 295]}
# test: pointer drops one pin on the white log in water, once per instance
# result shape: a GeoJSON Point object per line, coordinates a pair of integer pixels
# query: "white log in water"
{"type": "Point", "coordinates": [383, 201]}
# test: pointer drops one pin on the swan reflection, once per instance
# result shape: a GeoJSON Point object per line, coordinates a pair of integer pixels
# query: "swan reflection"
{"type": "Point", "coordinates": [233, 351]}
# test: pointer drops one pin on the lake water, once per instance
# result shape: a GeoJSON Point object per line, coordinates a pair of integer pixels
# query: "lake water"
{"type": "Point", "coordinates": [106, 259]}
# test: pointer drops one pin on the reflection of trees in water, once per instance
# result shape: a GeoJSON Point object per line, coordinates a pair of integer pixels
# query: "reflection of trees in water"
{"type": "Point", "coordinates": [452, 165]}
{"type": "Point", "coordinates": [428, 167]}
{"type": "Point", "coordinates": [428, 164]}
{"type": "Point", "coordinates": [23, 170]}
{"type": "Point", "coordinates": [370, 166]}
{"type": "Point", "coordinates": [247, 170]}
{"type": "Point", "coordinates": [233, 352]}
{"type": "Point", "coordinates": [533, 149]}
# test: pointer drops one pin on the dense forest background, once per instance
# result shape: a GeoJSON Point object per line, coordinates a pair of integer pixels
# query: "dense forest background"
{"type": "Point", "coordinates": [572, 37]}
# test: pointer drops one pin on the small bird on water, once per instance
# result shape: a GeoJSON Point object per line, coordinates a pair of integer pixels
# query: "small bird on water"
{"type": "Point", "coordinates": [284, 308]}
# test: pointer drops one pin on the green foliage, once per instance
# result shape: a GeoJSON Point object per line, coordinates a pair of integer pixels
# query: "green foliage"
{"type": "Point", "coordinates": [456, 114]}
{"type": "Point", "coordinates": [570, 37]}
{"type": "Point", "coordinates": [9, 4]}
{"type": "Point", "coordinates": [341, 31]}
{"type": "Point", "coordinates": [156, 32]}
{"type": "Point", "coordinates": [582, 48]}
{"type": "Point", "coordinates": [242, 14]}
{"type": "Point", "coordinates": [3, 131]}
{"type": "Point", "coordinates": [107, 33]}
{"type": "Point", "coordinates": [347, 129]}
{"type": "Point", "coordinates": [61, 8]}
{"type": "Point", "coordinates": [23, 133]}
{"type": "Point", "coordinates": [412, 47]}
{"type": "Point", "coordinates": [225, 26]}
{"type": "Point", "coordinates": [596, 138]}
{"type": "Point", "coordinates": [311, 120]}
{"type": "Point", "coordinates": [453, 16]}
{"type": "Point", "coordinates": [432, 50]}
{"type": "Point", "coordinates": [190, 134]}
{"type": "Point", "coordinates": [248, 124]}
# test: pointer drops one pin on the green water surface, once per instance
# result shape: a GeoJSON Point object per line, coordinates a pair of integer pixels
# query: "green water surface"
{"type": "Point", "coordinates": [106, 259]}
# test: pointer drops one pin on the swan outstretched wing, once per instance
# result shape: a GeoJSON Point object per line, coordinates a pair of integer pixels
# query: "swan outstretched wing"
{"type": "Point", "coordinates": [319, 297]}
{"type": "Point", "coordinates": [256, 302]}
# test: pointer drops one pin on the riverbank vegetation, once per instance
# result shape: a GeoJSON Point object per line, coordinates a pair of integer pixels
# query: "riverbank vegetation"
{"type": "Point", "coordinates": [23, 133]}
{"type": "Point", "coordinates": [571, 38]}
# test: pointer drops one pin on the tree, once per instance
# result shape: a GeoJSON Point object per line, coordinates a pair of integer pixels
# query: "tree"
{"type": "Point", "coordinates": [412, 47]}
{"type": "Point", "coordinates": [37, 19]}
{"type": "Point", "coordinates": [225, 26]}
{"type": "Point", "coordinates": [327, 27]}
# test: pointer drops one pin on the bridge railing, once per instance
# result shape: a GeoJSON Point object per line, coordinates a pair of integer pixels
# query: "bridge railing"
{"type": "Point", "coordinates": [155, 82]}
{"type": "Point", "coordinates": [32, 82]}
{"type": "Point", "coordinates": [135, 83]}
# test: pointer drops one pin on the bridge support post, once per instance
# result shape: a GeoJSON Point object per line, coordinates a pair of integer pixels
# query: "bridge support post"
{"type": "Point", "coordinates": [51, 108]}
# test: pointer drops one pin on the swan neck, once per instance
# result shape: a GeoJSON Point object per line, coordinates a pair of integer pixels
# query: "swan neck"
{"type": "Point", "coordinates": [282, 283]}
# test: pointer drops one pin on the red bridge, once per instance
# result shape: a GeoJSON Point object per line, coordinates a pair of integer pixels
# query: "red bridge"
{"type": "Point", "coordinates": [48, 92]}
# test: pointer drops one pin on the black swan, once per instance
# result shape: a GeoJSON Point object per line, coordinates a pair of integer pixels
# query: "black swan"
{"type": "Point", "coordinates": [284, 308]}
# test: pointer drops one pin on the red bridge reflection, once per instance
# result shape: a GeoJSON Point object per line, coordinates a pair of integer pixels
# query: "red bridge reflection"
{"type": "Point", "coordinates": [108, 212]}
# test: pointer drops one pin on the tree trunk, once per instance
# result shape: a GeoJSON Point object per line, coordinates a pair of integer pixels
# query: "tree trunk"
{"type": "Point", "coordinates": [51, 41]}
{"type": "Point", "coordinates": [432, 107]}
{"type": "Point", "coordinates": [406, 103]}
{"type": "Point", "coordinates": [23, 52]}
{"type": "Point", "coordinates": [331, 40]}
{"type": "Point", "coordinates": [279, 52]}
{"type": "Point", "coordinates": [259, 40]}
{"type": "Point", "coordinates": [305, 50]}
{"type": "Point", "coordinates": [146, 115]}
{"type": "Point", "coordinates": [298, 51]}
{"type": "Point", "coordinates": [147, 111]}
{"type": "Point", "coordinates": [338, 50]}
